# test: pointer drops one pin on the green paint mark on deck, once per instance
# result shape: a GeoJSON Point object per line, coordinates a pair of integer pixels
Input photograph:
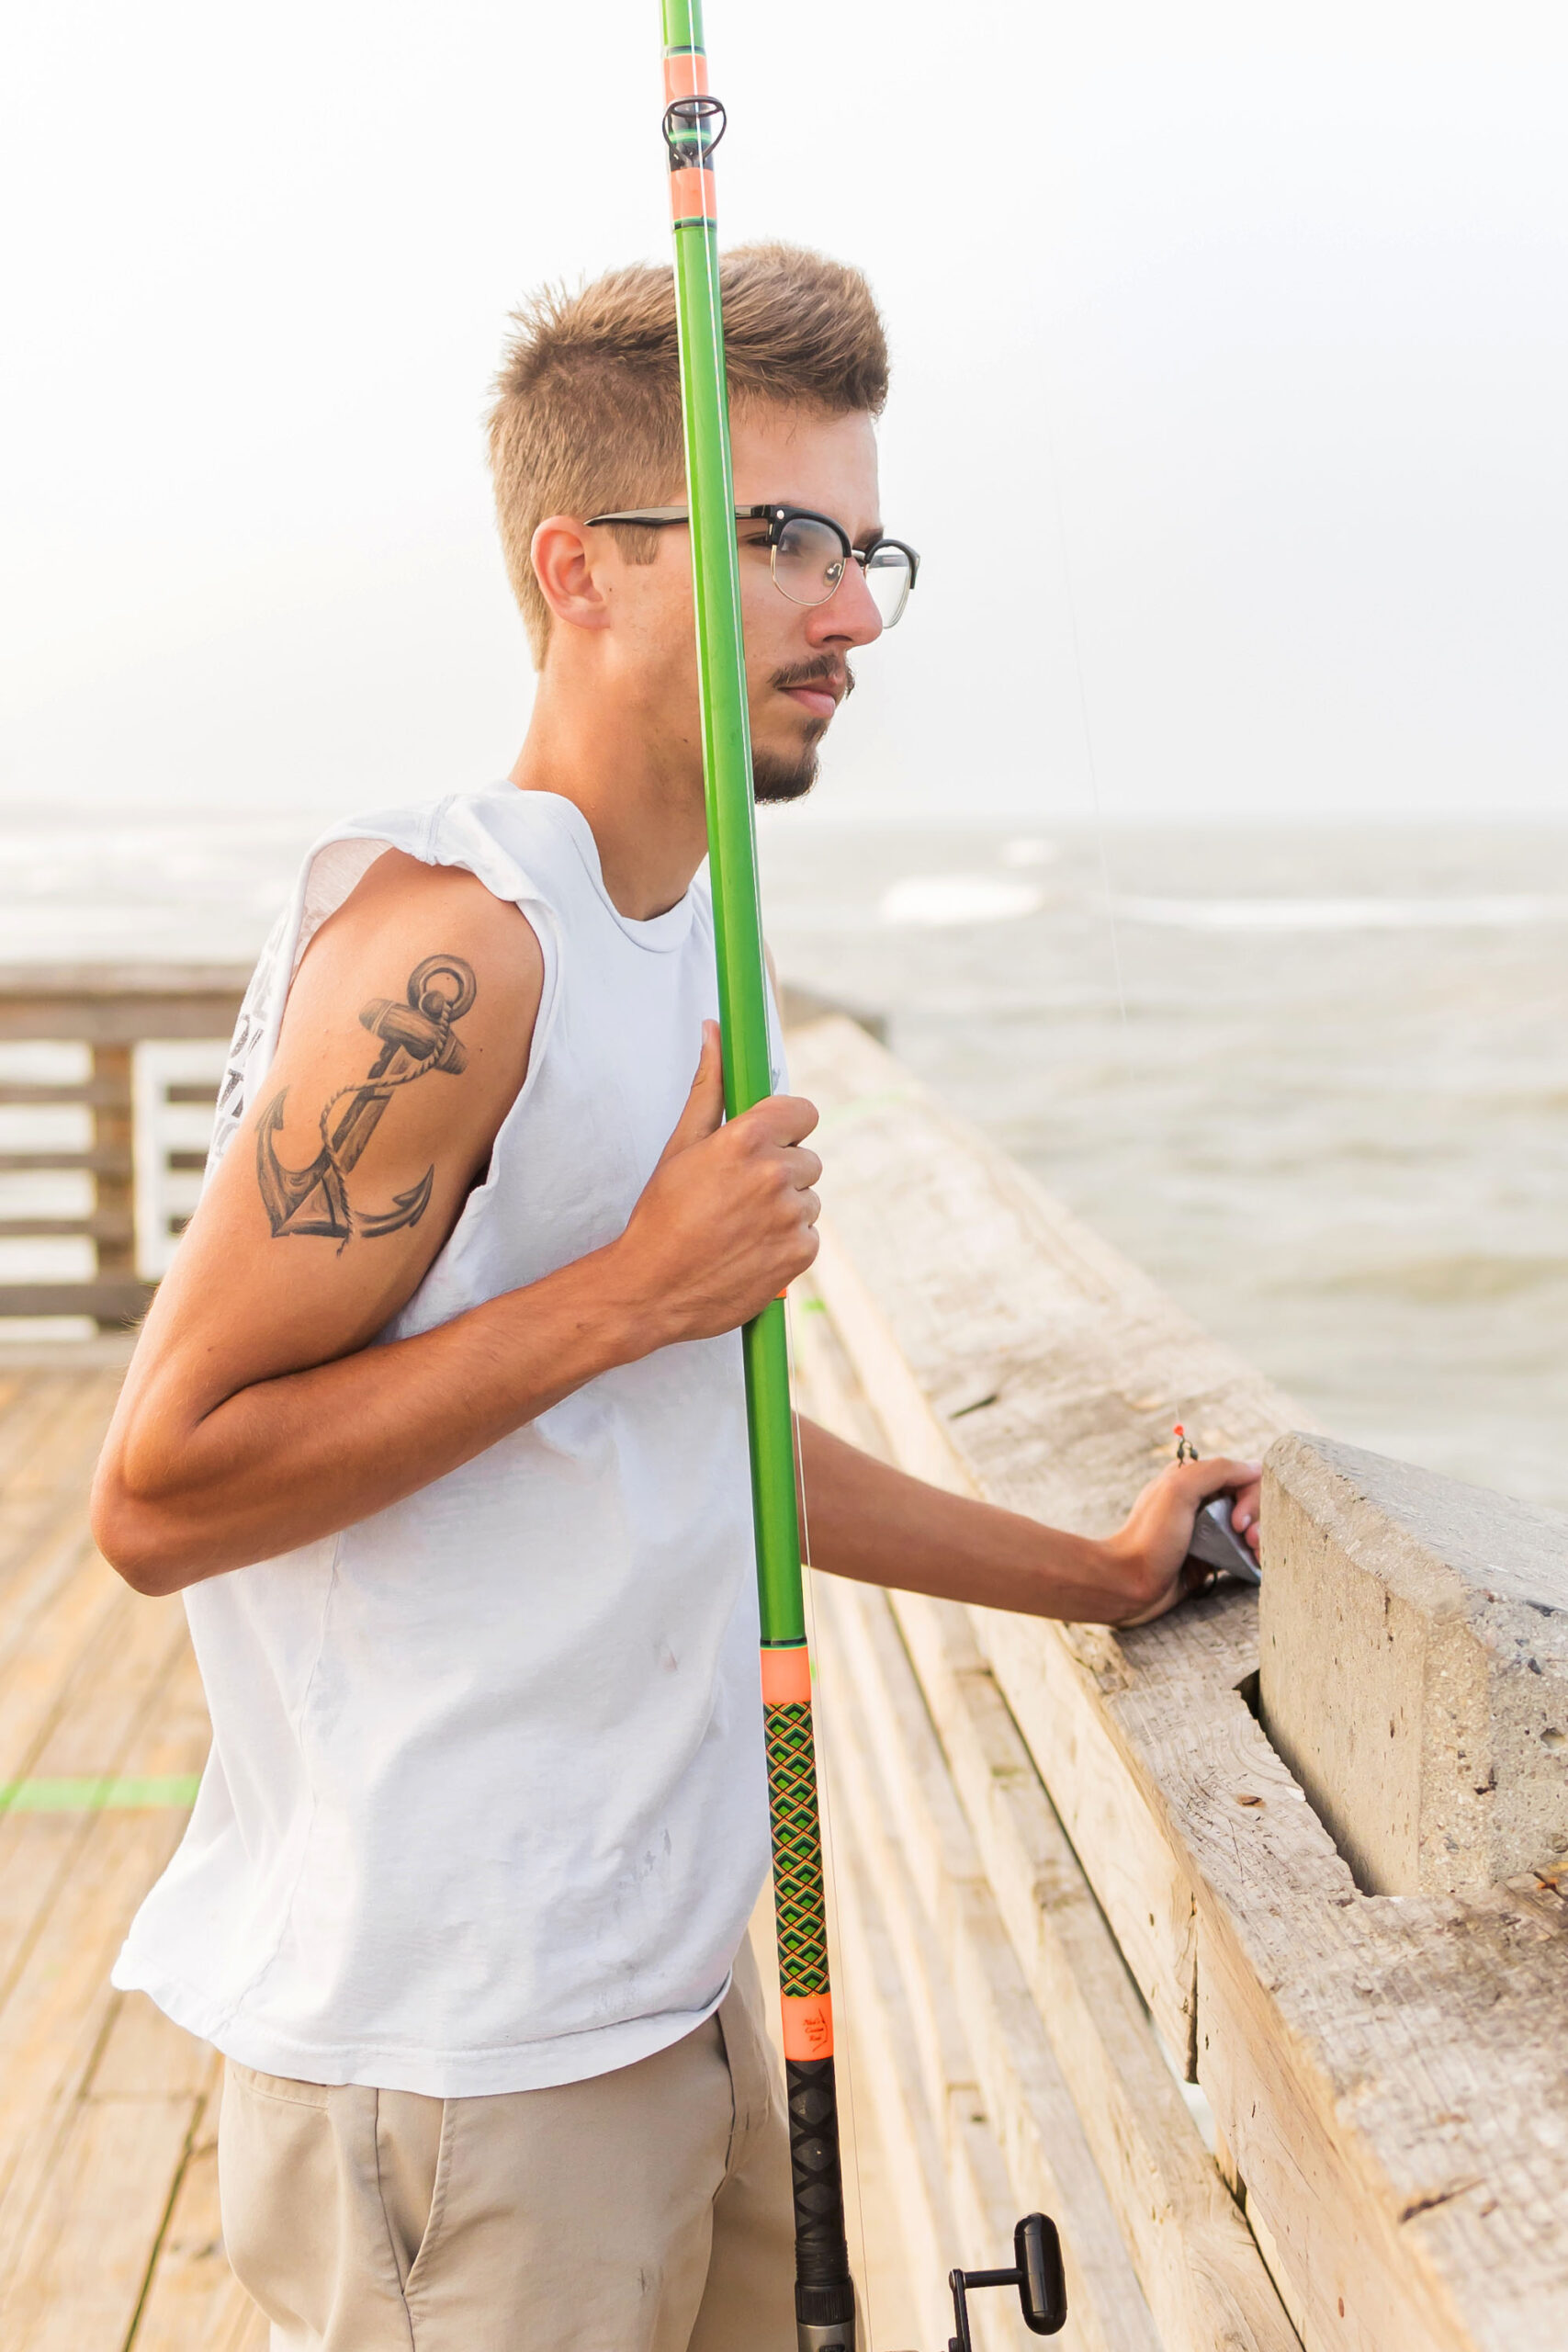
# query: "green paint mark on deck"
{"type": "Point", "coordinates": [109, 1793]}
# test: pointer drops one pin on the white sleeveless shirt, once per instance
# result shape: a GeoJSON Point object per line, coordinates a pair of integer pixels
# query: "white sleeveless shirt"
{"type": "Point", "coordinates": [486, 1806]}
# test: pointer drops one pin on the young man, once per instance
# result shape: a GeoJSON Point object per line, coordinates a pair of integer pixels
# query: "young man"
{"type": "Point", "coordinates": [438, 1422]}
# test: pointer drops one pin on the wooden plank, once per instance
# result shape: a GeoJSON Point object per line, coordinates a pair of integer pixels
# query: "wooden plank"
{"type": "Point", "coordinates": [1193, 2255]}
{"type": "Point", "coordinates": [114, 1190]}
{"type": "Point", "coordinates": [110, 1160]}
{"type": "Point", "coordinates": [145, 2055]}
{"type": "Point", "coordinates": [42, 1533]}
{"type": "Point", "coordinates": [68, 1442]}
{"type": "Point", "coordinates": [194, 2301]}
{"type": "Point", "coordinates": [98, 2093]}
{"type": "Point", "coordinates": [75, 2278]}
{"type": "Point", "coordinates": [124, 1017]}
{"type": "Point", "coordinates": [888, 2077]}
{"type": "Point", "coordinates": [873, 2225]}
{"type": "Point", "coordinates": [173, 1735]}
{"type": "Point", "coordinates": [118, 1304]}
{"type": "Point", "coordinates": [1380, 2072]}
{"type": "Point", "coordinates": [1137, 1873]}
{"type": "Point", "coordinates": [84, 1722]}
{"type": "Point", "coordinates": [136, 1711]}
{"type": "Point", "coordinates": [59, 2005]}
{"type": "Point", "coordinates": [148, 1722]}
{"type": "Point", "coordinates": [89, 982]}
{"type": "Point", "coordinates": [70, 1608]}
{"type": "Point", "coordinates": [101, 1224]}
{"type": "Point", "coordinates": [51, 1430]}
{"type": "Point", "coordinates": [38, 1853]}
{"type": "Point", "coordinates": [981, 2054]}
{"type": "Point", "coordinates": [36, 1092]}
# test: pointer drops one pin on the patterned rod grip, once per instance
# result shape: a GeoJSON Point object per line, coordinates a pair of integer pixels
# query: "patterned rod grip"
{"type": "Point", "coordinates": [823, 2291]}
{"type": "Point", "coordinates": [799, 1902]}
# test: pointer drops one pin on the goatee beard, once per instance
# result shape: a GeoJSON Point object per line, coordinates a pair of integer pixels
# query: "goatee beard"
{"type": "Point", "coordinates": [775, 780]}
{"type": "Point", "coordinates": [779, 780]}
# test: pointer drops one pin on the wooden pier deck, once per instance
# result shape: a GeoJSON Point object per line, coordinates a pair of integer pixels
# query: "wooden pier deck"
{"type": "Point", "coordinates": [110, 2238]}
{"type": "Point", "coordinates": [108, 2189]}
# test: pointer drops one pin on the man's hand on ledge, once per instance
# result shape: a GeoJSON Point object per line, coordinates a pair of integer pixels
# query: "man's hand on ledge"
{"type": "Point", "coordinates": [1153, 1542]}
{"type": "Point", "coordinates": [865, 1520]}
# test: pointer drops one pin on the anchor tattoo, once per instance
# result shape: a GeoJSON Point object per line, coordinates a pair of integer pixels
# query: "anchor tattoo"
{"type": "Point", "coordinates": [416, 1039]}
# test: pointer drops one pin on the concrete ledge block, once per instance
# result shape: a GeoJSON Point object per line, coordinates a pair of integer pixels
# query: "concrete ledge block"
{"type": "Point", "coordinates": [1414, 1665]}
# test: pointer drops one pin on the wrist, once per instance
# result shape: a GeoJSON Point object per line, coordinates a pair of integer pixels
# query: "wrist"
{"type": "Point", "coordinates": [1130, 1579]}
{"type": "Point", "coordinates": [633, 1302]}
{"type": "Point", "coordinates": [1083, 1580]}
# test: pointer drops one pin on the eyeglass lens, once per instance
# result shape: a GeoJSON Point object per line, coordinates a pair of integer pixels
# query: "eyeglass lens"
{"type": "Point", "coordinates": [808, 564]}
{"type": "Point", "coordinates": [889, 578]}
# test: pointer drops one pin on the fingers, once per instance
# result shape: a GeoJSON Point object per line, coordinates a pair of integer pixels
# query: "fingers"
{"type": "Point", "coordinates": [803, 1167]}
{"type": "Point", "coordinates": [1215, 1475]}
{"type": "Point", "coordinates": [780, 1119]}
{"type": "Point", "coordinates": [1243, 1517]}
{"type": "Point", "coordinates": [1241, 1480]}
{"type": "Point", "coordinates": [703, 1113]}
{"type": "Point", "coordinates": [1246, 1481]}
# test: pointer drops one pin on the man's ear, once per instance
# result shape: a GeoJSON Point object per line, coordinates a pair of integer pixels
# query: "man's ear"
{"type": "Point", "coordinates": [567, 557]}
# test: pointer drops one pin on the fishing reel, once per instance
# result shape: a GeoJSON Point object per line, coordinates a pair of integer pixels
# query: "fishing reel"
{"type": "Point", "coordinates": [1036, 2273]}
{"type": "Point", "coordinates": [1218, 1549]}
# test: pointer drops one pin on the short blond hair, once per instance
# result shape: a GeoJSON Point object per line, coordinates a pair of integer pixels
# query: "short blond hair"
{"type": "Point", "coordinates": [587, 414]}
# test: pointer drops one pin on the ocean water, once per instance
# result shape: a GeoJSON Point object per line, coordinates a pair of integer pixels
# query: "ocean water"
{"type": "Point", "coordinates": [1316, 1082]}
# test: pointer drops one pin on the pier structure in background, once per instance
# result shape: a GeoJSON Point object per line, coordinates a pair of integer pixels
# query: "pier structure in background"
{"type": "Point", "coordinates": [151, 1040]}
{"type": "Point", "coordinates": [1118, 1933]}
{"type": "Point", "coordinates": [1121, 1966]}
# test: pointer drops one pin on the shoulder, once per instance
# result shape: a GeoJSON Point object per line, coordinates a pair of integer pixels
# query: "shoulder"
{"type": "Point", "coordinates": [400, 899]}
{"type": "Point", "coordinates": [433, 941]}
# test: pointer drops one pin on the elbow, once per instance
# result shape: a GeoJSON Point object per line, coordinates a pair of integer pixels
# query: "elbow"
{"type": "Point", "coordinates": [136, 1534]}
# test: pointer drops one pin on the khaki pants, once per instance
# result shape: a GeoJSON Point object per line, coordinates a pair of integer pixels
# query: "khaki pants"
{"type": "Point", "coordinates": [645, 2211]}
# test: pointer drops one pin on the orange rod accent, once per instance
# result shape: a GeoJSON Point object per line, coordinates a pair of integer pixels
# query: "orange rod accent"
{"type": "Point", "coordinates": [808, 2025]}
{"type": "Point", "coordinates": [685, 75]}
{"type": "Point", "coordinates": [693, 196]}
{"type": "Point", "coordinates": [786, 1678]}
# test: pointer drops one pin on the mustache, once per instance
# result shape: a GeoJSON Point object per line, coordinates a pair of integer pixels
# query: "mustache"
{"type": "Point", "coordinates": [824, 672]}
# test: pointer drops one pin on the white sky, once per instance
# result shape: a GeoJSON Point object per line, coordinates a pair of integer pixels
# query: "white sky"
{"type": "Point", "coordinates": [1282, 290]}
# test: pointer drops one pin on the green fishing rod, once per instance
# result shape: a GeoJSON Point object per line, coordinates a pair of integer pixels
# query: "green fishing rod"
{"type": "Point", "coordinates": [824, 2289]}
{"type": "Point", "coordinates": [693, 124]}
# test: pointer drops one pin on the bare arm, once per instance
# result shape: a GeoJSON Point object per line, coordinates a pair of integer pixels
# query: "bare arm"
{"type": "Point", "coordinates": [255, 1415]}
{"type": "Point", "coordinates": [867, 1520]}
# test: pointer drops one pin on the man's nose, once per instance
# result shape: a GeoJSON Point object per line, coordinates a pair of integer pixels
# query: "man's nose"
{"type": "Point", "coordinates": [850, 616]}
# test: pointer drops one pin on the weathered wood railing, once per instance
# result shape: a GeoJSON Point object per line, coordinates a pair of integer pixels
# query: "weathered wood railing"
{"type": "Point", "coordinates": [135, 1026]}
{"type": "Point", "coordinates": [1074, 1874]}
{"type": "Point", "coordinates": [1267, 2037]}
{"type": "Point", "coordinates": [152, 1039]}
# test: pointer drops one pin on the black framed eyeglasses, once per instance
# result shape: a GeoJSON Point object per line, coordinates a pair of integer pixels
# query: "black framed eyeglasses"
{"type": "Point", "coordinates": [808, 554]}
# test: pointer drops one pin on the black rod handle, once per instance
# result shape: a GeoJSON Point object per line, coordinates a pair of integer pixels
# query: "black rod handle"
{"type": "Point", "coordinates": [824, 2291]}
